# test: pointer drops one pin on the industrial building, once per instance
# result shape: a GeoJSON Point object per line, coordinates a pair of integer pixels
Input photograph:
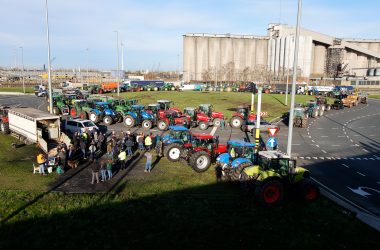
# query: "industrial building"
{"type": "Point", "coordinates": [211, 57]}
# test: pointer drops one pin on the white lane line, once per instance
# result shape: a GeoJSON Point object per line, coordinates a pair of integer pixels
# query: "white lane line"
{"type": "Point", "coordinates": [312, 141]}
{"type": "Point", "coordinates": [307, 157]}
{"type": "Point", "coordinates": [345, 165]}
{"type": "Point", "coordinates": [358, 158]}
{"type": "Point", "coordinates": [345, 132]}
{"type": "Point", "coordinates": [376, 156]}
{"type": "Point", "coordinates": [301, 157]}
{"type": "Point", "coordinates": [361, 174]}
{"type": "Point", "coordinates": [352, 158]}
{"type": "Point", "coordinates": [365, 158]}
{"type": "Point", "coordinates": [324, 151]}
{"type": "Point", "coordinates": [309, 136]}
{"type": "Point", "coordinates": [213, 130]}
{"type": "Point", "coordinates": [351, 140]}
{"type": "Point", "coordinates": [324, 136]}
{"type": "Point", "coordinates": [356, 135]}
{"type": "Point", "coordinates": [315, 158]}
{"type": "Point", "coordinates": [372, 159]}
{"type": "Point", "coordinates": [322, 158]}
{"type": "Point", "coordinates": [344, 158]}
{"type": "Point", "coordinates": [338, 158]}
{"type": "Point", "coordinates": [317, 146]}
{"type": "Point", "coordinates": [340, 136]}
{"type": "Point", "coordinates": [365, 150]}
{"type": "Point", "coordinates": [328, 158]}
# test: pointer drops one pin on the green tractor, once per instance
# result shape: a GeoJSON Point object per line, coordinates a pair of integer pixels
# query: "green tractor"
{"type": "Point", "coordinates": [300, 117]}
{"type": "Point", "coordinates": [274, 176]}
{"type": "Point", "coordinates": [168, 87]}
{"type": "Point", "coordinates": [81, 108]}
{"type": "Point", "coordinates": [313, 109]}
{"type": "Point", "coordinates": [59, 105]}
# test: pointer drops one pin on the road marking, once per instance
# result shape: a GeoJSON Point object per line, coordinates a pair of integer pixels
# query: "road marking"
{"type": "Point", "coordinates": [324, 136]}
{"type": "Point", "coordinates": [345, 165]}
{"type": "Point", "coordinates": [338, 158]}
{"type": "Point", "coordinates": [376, 156]}
{"type": "Point", "coordinates": [365, 150]}
{"type": "Point", "coordinates": [315, 157]}
{"type": "Point", "coordinates": [358, 158]}
{"type": "Point", "coordinates": [301, 157]}
{"type": "Point", "coordinates": [340, 136]}
{"type": "Point", "coordinates": [309, 136]}
{"type": "Point", "coordinates": [328, 158]}
{"type": "Point", "coordinates": [361, 174]}
{"type": "Point", "coordinates": [334, 128]}
{"type": "Point", "coordinates": [317, 146]}
{"type": "Point", "coordinates": [357, 145]}
{"type": "Point", "coordinates": [308, 158]}
{"type": "Point", "coordinates": [372, 159]}
{"type": "Point", "coordinates": [356, 135]}
{"type": "Point", "coordinates": [352, 158]}
{"type": "Point", "coordinates": [322, 158]}
{"type": "Point", "coordinates": [344, 132]}
{"type": "Point", "coordinates": [365, 158]}
{"type": "Point", "coordinates": [351, 140]}
{"type": "Point", "coordinates": [312, 141]}
{"type": "Point", "coordinates": [372, 135]}
{"type": "Point", "coordinates": [344, 158]}
{"type": "Point", "coordinates": [213, 131]}
{"type": "Point", "coordinates": [324, 151]}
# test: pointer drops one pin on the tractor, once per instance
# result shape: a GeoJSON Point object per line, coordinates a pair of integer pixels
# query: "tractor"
{"type": "Point", "coordinates": [274, 175]}
{"type": "Point", "coordinates": [338, 104]}
{"type": "Point", "coordinates": [300, 117]}
{"type": "Point", "coordinates": [313, 109]}
{"type": "Point", "coordinates": [80, 108]}
{"type": "Point", "coordinates": [240, 155]}
{"type": "Point", "coordinates": [171, 117]}
{"type": "Point", "coordinates": [167, 105]}
{"type": "Point", "coordinates": [168, 87]}
{"type": "Point", "coordinates": [322, 102]}
{"type": "Point", "coordinates": [177, 135]}
{"type": "Point", "coordinates": [153, 108]}
{"type": "Point", "coordinates": [136, 115]}
{"type": "Point", "coordinates": [4, 121]}
{"type": "Point", "coordinates": [216, 117]}
{"type": "Point", "coordinates": [59, 105]}
{"type": "Point", "coordinates": [197, 119]}
{"type": "Point", "coordinates": [199, 153]}
{"type": "Point", "coordinates": [363, 97]}
{"type": "Point", "coordinates": [103, 111]}
{"type": "Point", "coordinates": [242, 116]}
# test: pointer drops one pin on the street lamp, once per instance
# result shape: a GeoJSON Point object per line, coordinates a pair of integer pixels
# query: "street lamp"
{"type": "Point", "coordinates": [87, 64]}
{"type": "Point", "coordinates": [22, 62]}
{"type": "Point", "coordinates": [118, 66]}
{"type": "Point", "coordinates": [291, 113]}
{"type": "Point", "coordinates": [49, 66]}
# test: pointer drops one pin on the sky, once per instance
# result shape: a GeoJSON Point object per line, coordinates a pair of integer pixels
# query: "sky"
{"type": "Point", "coordinates": [82, 31]}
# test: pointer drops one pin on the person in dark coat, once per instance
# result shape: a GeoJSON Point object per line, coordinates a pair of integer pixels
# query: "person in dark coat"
{"type": "Point", "coordinates": [95, 168]}
{"type": "Point", "coordinates": [101, 141]}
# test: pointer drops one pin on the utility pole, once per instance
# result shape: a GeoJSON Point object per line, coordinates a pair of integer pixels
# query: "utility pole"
{"type": "Point", "coordinates": [118, 66]}
{"type": "Point", "coordinates": [291, 114]}
{"type": "Point", "coordinates": [87, 62]}
{"type": "Point", "coordinates": [258, 118]}
{"type": "Point", "coordinates": [122, 56]}
{"type": "Point", "coordinates": [49, 66]}
{"type": "Point", "coordinates": [22, 62]}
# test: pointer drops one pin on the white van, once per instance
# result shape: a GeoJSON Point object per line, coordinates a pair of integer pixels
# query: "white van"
{"type": "Point", "coordinates": [78, 125]}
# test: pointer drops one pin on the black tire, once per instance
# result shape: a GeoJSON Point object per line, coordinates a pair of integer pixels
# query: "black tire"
{"type": "Point", "coordinates": [246, 183]}
{"type": "Point", "coordinates": [216, 122]}
{"type": "Point", "coordinates": [200, 161]}
{"type": "Point", "coordinates": [162, 125]}
{"type": "Point", "coordinates": [147, 124]}
{"type": "Point", "coordinates": [304, 123]}
{"type": "Point", "coordinates": [4, 128]}
{"type": "Point", "coordinates": [236, 122]}
{"type": "Point", "coordinates": [236, 172]}
{"type": "Point", "coordinates": [94, 117]}
{"type": "Point", "coordinates": [297, 122]}
{"type": "Point", "coordinates": [129, 121]}
{"type": "Point", "coordinates": [308, 191]}
{"type": "Point", "coordinates": [173, 152]}
{"type": "Point", "coordinates": [321, 111]}
{"type": "Point", "coordinates": [271, 193]}
{"type": "Point", "coordinates": [107, 120]}
{"type": "Point", "coordinates": [203, 126]}
{"type": "Point", "coordinates": [56, 111]}
{"type": "Point", "coordinates": [314, 113]}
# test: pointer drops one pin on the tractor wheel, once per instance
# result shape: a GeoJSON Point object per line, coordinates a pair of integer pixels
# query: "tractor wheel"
{"type": "Point", "coordinates": [216, 122]}
{"type": "Point", "coordinates": [107, 120]}
{"type": "Point", "coordinates": [200, 161]}
{"type": "Point", "coordinates": [147, 124]}
{"type": "Point", "coordinates": [236, 172]}
{"type": "Point", "coordinates": [314, 113]}
{"type": "Point", "coordinates": [100, 91]}
{"type": "Point", "coordinates": [328, 107]}
{"type": "Point", "coordinates": [173, 152]}
{"type": "Point", "coordinates": [162, 125]}
{"type": "Point", "coordinates": [129, 121]}
{"type": "Point", "coordinates": [56, 111]}
{"type": "Point", "coordinates": [83, 115]}
{"type": "Point", "coordinates": [236, 122]}
{"type": "Point", "coordinates": [119, 117]}
{"type": "Point", "coordinates": [304, 123]}
{"type": "Point", "coordinates": [4, 128]}
{"type": "Point", "coordinates": [203, 126]}
{"type": "Point", "coordinates": [321, 111]}
{"type": "Point", "coordinates": [297, 122]}
{"type": "Point", "coordinates": [308, 191]}
{"type": "Point", "coordinates": [271, 193]}
{"type": "Point", "coordinates": [94, 117]}
{"type": "Point", "coordinates": [246, 183]}
{"type": "Point", "coordinates": [350, 105]}
{"type": "Point", "coordinates": [73, 112]}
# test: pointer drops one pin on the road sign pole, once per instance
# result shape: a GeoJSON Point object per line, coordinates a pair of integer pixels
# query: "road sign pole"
{"type": "Point", "coordinates": [252, 102]}
{"type": "Point", "coordinates": [257, 134]}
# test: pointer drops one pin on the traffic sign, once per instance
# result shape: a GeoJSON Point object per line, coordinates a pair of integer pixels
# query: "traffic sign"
{"type": "Point", "coordinates": [273, 131]}
{"type": "Point", "coordinates": [264, 113]}
{"type": "Point", "coordinates": [272, 142]}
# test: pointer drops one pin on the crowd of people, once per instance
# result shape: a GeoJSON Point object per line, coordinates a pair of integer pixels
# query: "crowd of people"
{"type": "Point", "coordinates": [106, 153]}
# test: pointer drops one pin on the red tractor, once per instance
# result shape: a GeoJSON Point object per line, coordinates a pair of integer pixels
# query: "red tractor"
{"type": "Point", "coordinates": [207, 109]}
{"type": "Point", "coordinates": [242, 116]}
{"type": "Point", "coordinates": [199, 153]}
{"type": "Point", "coordinates": [167, 105]}
{"type": "Point", "coordinates": [196, 118]}
{"type": "Point", "coordinates": [4, 121]}
{"type": "Point", "coordinates": [170, 117]}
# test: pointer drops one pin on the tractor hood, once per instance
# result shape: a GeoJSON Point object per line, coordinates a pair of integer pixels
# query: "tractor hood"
{"type": "Point", "coordinates": [223, 158]}
{"type": "Point", "coordinates": [217, 115]}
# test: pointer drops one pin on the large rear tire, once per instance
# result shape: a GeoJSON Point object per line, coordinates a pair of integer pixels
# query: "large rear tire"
{"type": "Point", "coordinates": [308, 191]}
{"type": "Point", "coordinates": [200, 161]}
{"type": "Point", "coordinates": [107, 120]}
{"type": "Point", "coordinates": [203, 126]}
{"type": "Point", "coordinates": [129, 121]}
{"type": "Point", "coordinates": [147, 124]}
{"type": "Point", "coordinates": [216, 122]}
{"type": "Point", "coordinates": [271, 193]}
{"type": "Point", "coordinates": [162, 125]}
{"type": "Point", "coordinates": [173, 152]}
{"type": "Point", "coordinates": [236, 122]}
{"type": "Point", "coordinates": [94, 117]}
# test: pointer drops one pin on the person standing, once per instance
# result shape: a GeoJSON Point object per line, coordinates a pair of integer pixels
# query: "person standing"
{"type": "Point", "coordinates": [222, 123]}
{"type": "Point", "coordinates": [62, 157]}
{"type": "Point", "coordinates": [140, 140]}
{"type": "Point", "coordinates": [95, 167]}
{"type": "Point", "coordinates": [92, 150]}
{"type": "Point", "coordinates": [82, 144]}
{"type": "Point", "coordinates": [148, 164]}
{"type": "Point", "coordinates": [109, 168]}
{"type": "Point", "coordinates": [148, 142]}
{"type": "Point", "coordinates": [109, 150]}
{"type": "Point", "coordinates": [103, 170]}
{"type": "Point", "coordinates": [41, 160]}
{"type": "Point", "coordinates": [122, 158]}
{"type": "Point", "coordinates": [101, 142]}
{"type": "Point", "coordinates": [129, 144]}
{"type": "Point", "coordinates": [75, 141]}
{"type": "Point", "coordinates": [71, 152]}
{"type": "Point", "coordinates": [96, 136]}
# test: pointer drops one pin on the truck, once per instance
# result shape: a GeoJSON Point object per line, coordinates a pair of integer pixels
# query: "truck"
{"type": "Point", "coordinates": [35, 126]}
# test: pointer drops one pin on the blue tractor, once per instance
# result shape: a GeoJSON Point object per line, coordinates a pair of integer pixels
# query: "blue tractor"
{"type": "Point", "coordinates": [102, 111]}
{"type": "Point", "coordinates": [137, 115]}
{"type": "Point", "coordinates": [174, 140]}
{"type": "Point", "coordinates": [241, 154]}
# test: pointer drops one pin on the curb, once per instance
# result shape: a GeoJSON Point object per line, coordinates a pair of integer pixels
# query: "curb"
{"type": "Point", "coordinates": [14, 93]}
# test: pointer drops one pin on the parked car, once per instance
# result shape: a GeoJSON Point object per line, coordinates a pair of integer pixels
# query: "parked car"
{"type": "Point", "coordinates": [264, 125]}
{"type": "Point", "coordinates": [78, 125]}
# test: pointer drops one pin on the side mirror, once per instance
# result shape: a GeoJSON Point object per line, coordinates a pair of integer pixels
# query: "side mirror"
{"type": "Point", "coordinates": [292, 166]}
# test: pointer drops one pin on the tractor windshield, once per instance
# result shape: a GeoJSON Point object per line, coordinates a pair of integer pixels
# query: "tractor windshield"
{"type": "Point", "coordinates": [249, 152]}
{"type": "Point", "coordinates": [182, 135]}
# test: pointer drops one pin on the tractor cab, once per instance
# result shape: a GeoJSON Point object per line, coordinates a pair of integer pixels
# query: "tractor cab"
{"type": "Point", "coordinates": [130, 102]}
{"type": "Point", "coordinates": [177, 133]}
{"type": "Point", "coordinates": [191, 112]}
{"type": "Point", "coordinates": [276, 161]}
{"type": "Point", "coordinates": [204, 141]}
{"type": "Point", "coordinates": [165, 104]}
{"type": "Point", "coordinates": [241, 149]}
{"type": "Point", "coordinates": [206, 108]}
{"type": "Point", "coordinates": [153, 108]}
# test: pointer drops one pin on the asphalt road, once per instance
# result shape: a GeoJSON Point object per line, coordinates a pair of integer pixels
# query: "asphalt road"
{"type": "Point", "coordinates": [341, 149]}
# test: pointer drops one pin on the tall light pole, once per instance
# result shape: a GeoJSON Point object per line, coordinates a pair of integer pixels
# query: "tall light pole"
{"type": "Point", "coordinates": [290, 134]}
{"type": "Point", "coordinates": [87, 64]}
{"type": "Point", "coordinates": [22, 62]}
{"type": "Point", "coordinates": [122, 56]}
{"type": "Point", "coordinates": [118, 66]}
{"type": "Point", "coordinates": [49, 66]}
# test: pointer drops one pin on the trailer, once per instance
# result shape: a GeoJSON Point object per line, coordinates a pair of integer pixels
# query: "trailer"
{"type": "Point", "coordinates": [35, 126]}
